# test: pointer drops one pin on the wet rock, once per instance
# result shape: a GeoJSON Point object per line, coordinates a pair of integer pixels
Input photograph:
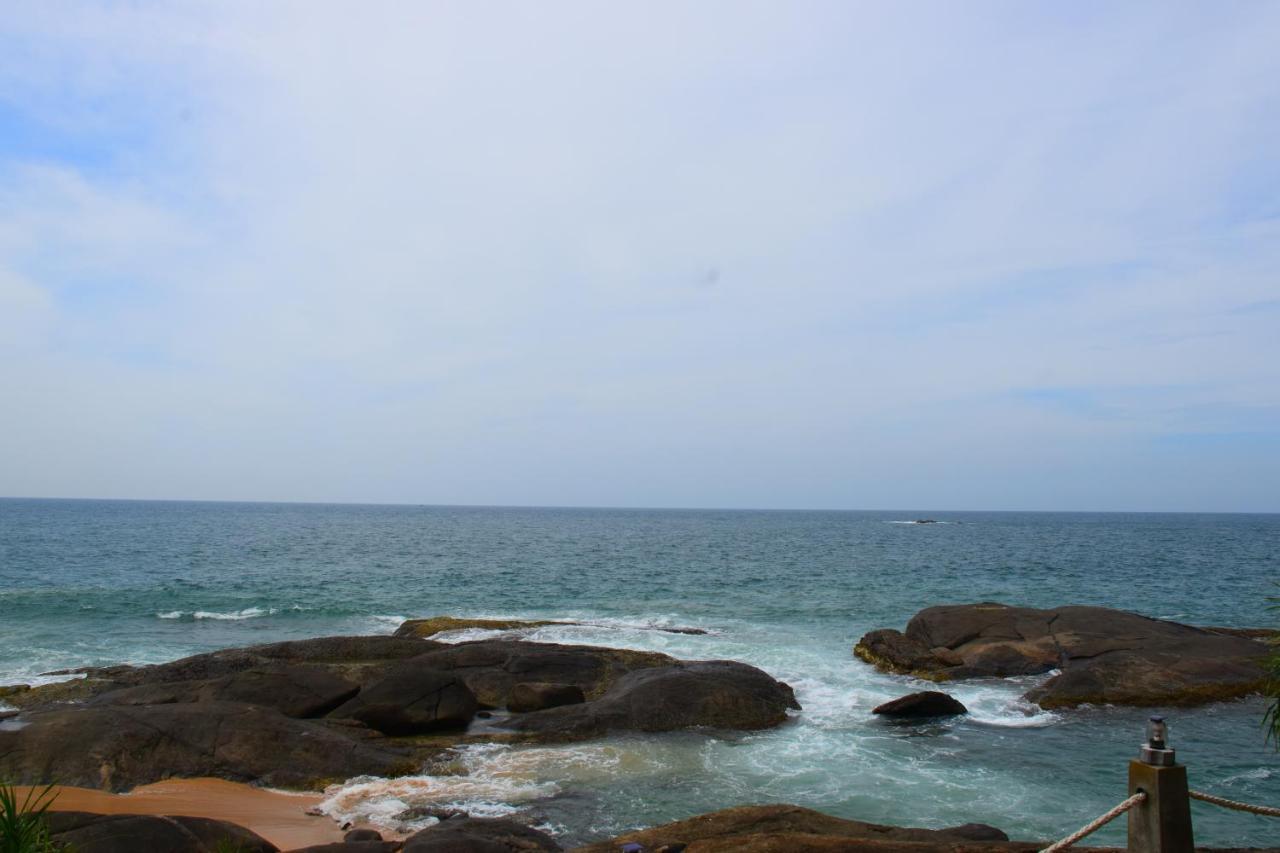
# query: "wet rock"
{"type": "Point", "coordinates": [538, 695]}
{"type": "Point", "coordinates": [119, 833]}
{"type": "Point", "coordinates": [412, 700]}
{"type": "Point", "coordinates": [118, 747]}
{"type": "Point", "coordinates": [1106, 656]}
{"type": "Point", "coordinates": [929, 703]}
{"type": "Point", "coordinates": [479, 835]}
{"type": "Point", "coordinates": [714, 694]}
{"type": "Point", "coordinates": [778, 828]}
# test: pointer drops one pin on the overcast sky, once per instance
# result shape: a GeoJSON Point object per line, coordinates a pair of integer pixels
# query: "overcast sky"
{"type": "Point", "coordinates": [847, 255]}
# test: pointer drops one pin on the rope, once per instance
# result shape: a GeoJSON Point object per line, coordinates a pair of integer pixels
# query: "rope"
{"type": "Point", "coordinates": [1232, 804]}
{"type": "Point", "coordinates": [1095, 825]}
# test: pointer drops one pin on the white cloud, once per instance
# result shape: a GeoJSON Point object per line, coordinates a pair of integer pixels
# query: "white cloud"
{"type": "Point", "coordinates": [647, 254]}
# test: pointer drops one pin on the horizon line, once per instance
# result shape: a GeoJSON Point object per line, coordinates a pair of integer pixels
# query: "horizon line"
{"type": "Point", "coordinates": [633, 508]}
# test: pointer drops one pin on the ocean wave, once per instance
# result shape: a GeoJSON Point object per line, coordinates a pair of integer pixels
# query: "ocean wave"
{"type": "Point", "coordinates": [232, 616]}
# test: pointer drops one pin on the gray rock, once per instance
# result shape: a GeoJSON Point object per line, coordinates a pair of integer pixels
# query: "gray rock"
{"type": "Point", "coordinates": [929, 703]}
{"type": "Point", "coordinates": [410, 700]}
{"type": "Point", "coordinates": [479, 835]}
{"type": "Point", "coordinates": [120, 833]}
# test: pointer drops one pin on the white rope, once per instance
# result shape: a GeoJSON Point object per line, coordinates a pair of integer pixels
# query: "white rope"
{"type": "Point", "coordinates": [1232, 804]}
{"type": "Point", "coordinates": [1094, 825]}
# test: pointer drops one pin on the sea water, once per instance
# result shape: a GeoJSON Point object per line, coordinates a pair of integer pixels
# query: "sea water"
{"type": "Point", "coordinates": [99, 582]}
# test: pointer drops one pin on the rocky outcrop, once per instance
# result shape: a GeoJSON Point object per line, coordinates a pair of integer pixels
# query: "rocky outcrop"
{"type": "Point", "coordinates": [540, 695]}
{"type": "Point", "coordinates": [480, 835]}
{"type": "Point", "coordinates": [717, 694]}
{"type": "Point", "coordinates": [122, 833]}
{"type": "Point", "coordinates": [1105, 656]}
{"type": "Point", "coordinates": [305, 713]}
{"type": "Point", "coordinates": [929, 703]}
{"type": "Point", "coordinates": [755, 829]}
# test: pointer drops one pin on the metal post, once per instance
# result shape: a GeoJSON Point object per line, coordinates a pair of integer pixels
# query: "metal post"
{"type": "Point", "coordinates": [1162, 822]}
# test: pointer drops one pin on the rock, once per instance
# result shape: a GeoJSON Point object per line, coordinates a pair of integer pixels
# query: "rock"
{"type": "Point", "coordinates": [715, 694]}
{"type": "Point", "coordinates": [976, 832]}
{"type": "Point", "coordinates": [439, 624]}
{"type": "Point", "coordinates": [479, 835]}
{"type": "Point", "coordinates": [122, 833]}
{"type": "Point", "coordinates": [117, 747]}
{"type": "Point", "coordinates": [783, 829]}
{"type": "Point", "coordinates": [537, 695]}
{"type": "Point", "coordinates": [363, 835]}
{"type": "Point", "coordinates": [1106, 656]}
{"type": "Point", "coordinates": [295, 690]}
{"type": "Point", "coordinates": [410, 700]}
{"type": "Point", "coordinates": [491, 668]}
{"type": "Point", "coordinates": [930, 703]}
{"type": "Point", "coordinates": [355, 659]}
{"type": "Point", "coordinates": [352, 847]}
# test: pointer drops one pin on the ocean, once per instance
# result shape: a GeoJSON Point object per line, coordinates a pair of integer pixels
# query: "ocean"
{"type": "Point", "coordinates": [100, 582]}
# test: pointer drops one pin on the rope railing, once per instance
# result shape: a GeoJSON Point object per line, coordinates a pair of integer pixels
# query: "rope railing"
{"type": "Point", "coordinates": [1269, 811]}
{"type": "Point", "coordinates": [1096, 824]}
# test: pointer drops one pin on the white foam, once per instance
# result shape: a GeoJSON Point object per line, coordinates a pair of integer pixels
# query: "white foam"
{"type": "Point", "coordinates": [231, 616]}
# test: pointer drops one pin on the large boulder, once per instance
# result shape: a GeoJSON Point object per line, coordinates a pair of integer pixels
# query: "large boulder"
{"type": "Point", "coordinates": [295, 690]}
{"type": "Point", "coordinates": [480, 835]}
{"type": "Point", "coordinates": [928, 703]}
{"type": "Point", "coordinates": [1106, 656]}
{"type": "Point", "coordinates": [411, 700]}
{"type": "Point", "coordinates": [117, 747]}
{"type": "Point", "coordinates": [491, 668]}
{"type": "Point", "coordinates": [782, 828]}
{"type": "Point", "coordinates": [126, 833]}
{"type": "Point", "coordinates": [714, 694]}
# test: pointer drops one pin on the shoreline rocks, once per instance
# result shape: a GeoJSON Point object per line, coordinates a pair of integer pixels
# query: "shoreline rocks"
{"type": "Point", "coordinates": [307, 713]}
{"type": "Point", "coordinates": [1105, 656]}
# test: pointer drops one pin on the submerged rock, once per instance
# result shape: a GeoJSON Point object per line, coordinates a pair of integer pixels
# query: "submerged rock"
{"type": "Point", "coordinates": [123, 833]}
{"type": "Point", "coordinates": [929, 703]}
{"type": "Point", "coordinates": [439, 624]}
{"type": "Point", "coordinates": [1106, 656]}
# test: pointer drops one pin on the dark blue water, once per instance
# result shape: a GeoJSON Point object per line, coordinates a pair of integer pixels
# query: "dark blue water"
{"type": "Point", "coordinates": [91, 582]}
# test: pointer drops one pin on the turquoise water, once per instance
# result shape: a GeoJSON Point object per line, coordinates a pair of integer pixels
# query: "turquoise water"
{"type": "Point", "coordinates": [94, 582]}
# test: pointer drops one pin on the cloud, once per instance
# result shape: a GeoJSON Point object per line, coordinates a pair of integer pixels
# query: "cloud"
{"type": "Point", "coordinates": [459, 252]}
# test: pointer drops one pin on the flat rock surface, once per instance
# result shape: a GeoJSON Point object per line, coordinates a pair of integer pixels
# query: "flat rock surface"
{"type": "Point", "coordinates": [1105, 656]}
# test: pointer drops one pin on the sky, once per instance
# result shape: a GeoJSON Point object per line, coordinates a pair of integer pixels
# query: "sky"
{"type": "Point", "coordinates": [716, 254]}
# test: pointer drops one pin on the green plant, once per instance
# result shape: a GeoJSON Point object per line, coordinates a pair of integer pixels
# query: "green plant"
{"type": "Point", "coordinates": [23, 827]}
